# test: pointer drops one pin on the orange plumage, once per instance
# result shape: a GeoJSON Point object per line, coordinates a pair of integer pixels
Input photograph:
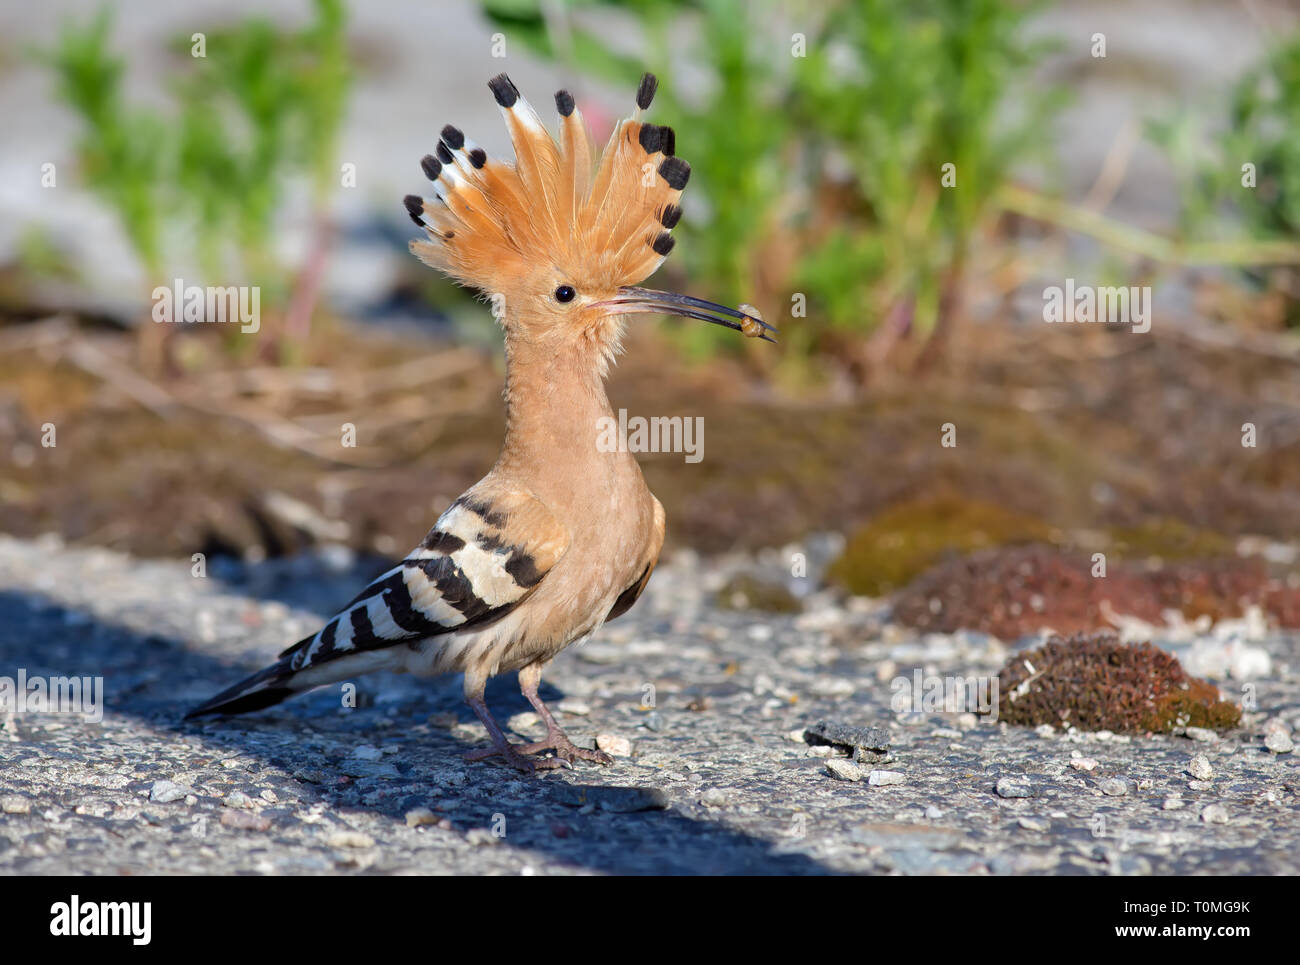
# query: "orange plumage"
{"type": "Point", "coordinates": [607, 222]}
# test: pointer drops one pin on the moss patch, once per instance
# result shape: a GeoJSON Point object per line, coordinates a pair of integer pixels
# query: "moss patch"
{"type": "Point", "coordinates": [1094, 682]}
{"type": "Point", "coordinates": [1167, 539]}
{"type": "Point", "coordinates": [747, 592]}
{"type": "Point", "coordinates": [1015, 591]}
{"type": "Point", "coordinates": [906, 539]}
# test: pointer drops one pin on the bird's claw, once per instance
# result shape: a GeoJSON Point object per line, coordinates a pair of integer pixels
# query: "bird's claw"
{"type": "Point", "coordinates": [514, 755]}
{"type": "Point", "coordinates": [566, 750]}
{"type": "Point", "coordinates": [521, 756]}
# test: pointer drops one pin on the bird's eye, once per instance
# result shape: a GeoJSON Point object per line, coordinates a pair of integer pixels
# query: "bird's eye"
{"type": "Point", "coordinates": [564, 293]}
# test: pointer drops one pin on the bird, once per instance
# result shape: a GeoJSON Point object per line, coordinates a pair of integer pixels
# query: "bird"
{"type": "Point", "coordinates": [560, 536]}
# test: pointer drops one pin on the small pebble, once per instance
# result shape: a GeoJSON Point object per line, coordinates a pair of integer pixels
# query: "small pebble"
{"type": "Point", "coordinates": [1279, 742]}
{"type": "Point", "coordinates": [1173, 804]}
{"type": "Point", "coordinates": [1215, 814]}
{"type": "Point", "coordinates": [885, 778]}
{"type": "Point", "coordinates": [1114, 787]}
{"type": "Point", "coordinates": [367, 752]}
{"type": "Point", "coordinates": [237, 799]}
{"type": "Point", "coordinates": [1008, 788]}
{"type": "Point", "coordinates": [418, 817]}
{"type": "Point", "coordinates": [614, 745]}
{"type": "Point", "coordinates": [345, 839]}
{"type": "Point", "coordinates": [1202, 734]}
{"type": "Point", "coordinates": [526, 720]}
{"type": "Point", "coordinates": [1083, 763]}
{"type": "Point", "coordinates": [165, 792]}
{"type": "Point", "coordinates": [842, 770]}
{"type": "Point", "coordinates": [1034, 824]}
{"type": "Point", "coordinates": [715, 797]}
{"type": "Point", "coordinates": [245, 821]}
{"type": "Point", "coordinates": [13, 804]}
{"type": "Point", "coordinates": [1199, 767]}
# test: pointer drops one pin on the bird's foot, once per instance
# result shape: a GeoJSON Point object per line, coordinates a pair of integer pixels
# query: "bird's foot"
{"type": "Point", "coordinates": [565, 749]}
{"type": "Point", "coordinates": [516, 755]}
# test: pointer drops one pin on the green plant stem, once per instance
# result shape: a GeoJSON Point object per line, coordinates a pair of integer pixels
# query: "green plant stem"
{"type": "Point", "coordinates": [1138, 241]}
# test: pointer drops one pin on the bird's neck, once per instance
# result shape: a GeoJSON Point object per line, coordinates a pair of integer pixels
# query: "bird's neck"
{"type": "Point", "coordinates": [555, 404]}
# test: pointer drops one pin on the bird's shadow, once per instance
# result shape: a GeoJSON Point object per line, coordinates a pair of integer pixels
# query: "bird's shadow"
{"type": "Point", "coordinates": [566, 816]}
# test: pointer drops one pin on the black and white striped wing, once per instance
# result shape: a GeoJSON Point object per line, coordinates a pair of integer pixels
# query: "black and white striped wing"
{"type": "Point", "coordinates": [483, 557]}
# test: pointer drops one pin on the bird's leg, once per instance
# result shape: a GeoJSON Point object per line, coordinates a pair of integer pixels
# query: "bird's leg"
{"type": "Point", "coordinates": [555, 739]}
{"type": "Point", "coordinates": [512, 754]}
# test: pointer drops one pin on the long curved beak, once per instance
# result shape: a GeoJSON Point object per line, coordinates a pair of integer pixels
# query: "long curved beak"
{"type": "Point", "coordinates": [631, 300]}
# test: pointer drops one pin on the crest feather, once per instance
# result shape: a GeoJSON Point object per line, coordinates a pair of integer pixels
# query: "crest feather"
{"type": "Point", "coordinates": [605, 221]}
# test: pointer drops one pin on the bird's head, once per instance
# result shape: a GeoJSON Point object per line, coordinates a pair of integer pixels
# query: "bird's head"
{"type": "Point", "coordinates": [559, 240]}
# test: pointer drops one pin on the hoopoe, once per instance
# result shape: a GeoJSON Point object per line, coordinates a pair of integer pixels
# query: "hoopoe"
{"type": "Point", "coordinates": [559, 537]}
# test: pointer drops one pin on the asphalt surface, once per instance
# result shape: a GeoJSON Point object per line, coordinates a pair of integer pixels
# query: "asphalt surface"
{"type": "Point", "coordinates": [711, 704]}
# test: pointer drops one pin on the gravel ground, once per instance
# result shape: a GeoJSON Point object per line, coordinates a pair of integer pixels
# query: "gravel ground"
{"type": "Point", "coordinates": [711, 705]}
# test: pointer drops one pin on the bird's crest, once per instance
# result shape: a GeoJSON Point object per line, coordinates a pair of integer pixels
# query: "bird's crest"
{"type": "Point", "coordinates": [605, 220]}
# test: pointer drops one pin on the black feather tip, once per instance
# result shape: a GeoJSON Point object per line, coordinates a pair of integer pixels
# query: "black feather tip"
{"type": "Point", "coordinates": [257, 700]}
{"type": "Point", "coordinates": [431, 167]}
{"type": "Point", "coordinates": [444, 155]}
{"type": "Point", "coordinates": [453, 138]}
{"type": "Point", "coordinates": [504, 91]}
{"type": "Point", "coordinates": [646, 92]}
{"type": "Point", "coordinates": [667, 141]}
{"type": "Point", "coordinates": [564, 102]}
{"type": "Point", "coordinates": [670, 216]}
{"type": "Point", "coordinates": [478, 157]}
{"type": "Point", "coordinates": [651, 137]}
{"type": "Point", "coordinates": [663, 243]}
{"type": "Point", "coordinates": [676, 172]}
{"type": "Point", "coordinates": [415, 208]}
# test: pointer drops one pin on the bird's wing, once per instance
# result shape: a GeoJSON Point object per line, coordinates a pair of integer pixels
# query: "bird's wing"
{"type": "Point", "coordinates": [484, 556]}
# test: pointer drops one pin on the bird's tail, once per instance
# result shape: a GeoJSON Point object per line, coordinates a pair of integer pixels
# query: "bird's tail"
{"type": "Point", "coordinates": [263, 689]}
{"type": "Point", "coordinates": [281, 680]}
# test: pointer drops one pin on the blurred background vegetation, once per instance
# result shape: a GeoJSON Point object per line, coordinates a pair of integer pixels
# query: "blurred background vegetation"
{"type": "Point", "coordinates": [204, 177]}
{"type": "Point", "coordinates": [850, 168]}
{"type": "Point", "coordinates": [886, 181]}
